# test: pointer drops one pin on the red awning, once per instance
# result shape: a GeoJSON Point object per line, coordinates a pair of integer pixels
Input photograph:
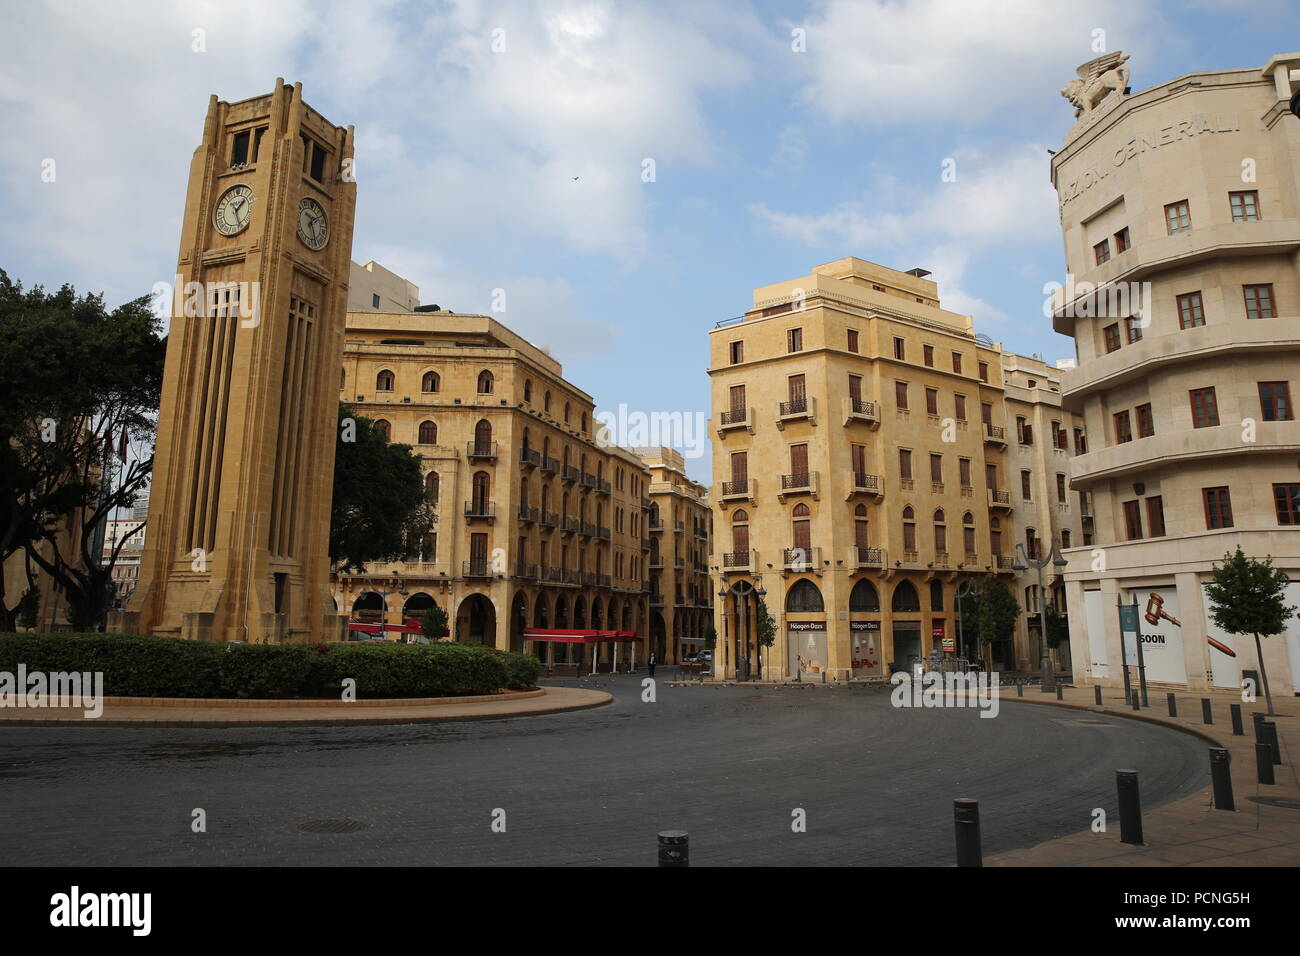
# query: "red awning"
{"type": "Point", "coordinates": [562, 635]}
{"type": "Point", "coordinates": [367, 627]}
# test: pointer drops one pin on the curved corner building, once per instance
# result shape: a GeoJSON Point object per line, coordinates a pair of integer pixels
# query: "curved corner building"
{"type": "Point", "coordinates": [1181, 221]}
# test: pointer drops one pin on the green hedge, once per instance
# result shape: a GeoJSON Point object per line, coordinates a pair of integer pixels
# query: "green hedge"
{"type": "Point", "coordinates": [136, 666]}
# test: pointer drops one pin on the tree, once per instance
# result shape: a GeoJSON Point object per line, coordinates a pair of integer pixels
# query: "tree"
{"type": "Point", "coordinates": [380, 509]}
{"type": "Point", "coordinates": [433, 623]}
{"type": "Point", "coordinates": [1249, 597]}
{"type": "Point", "coordinates": [1058, 630]}
{"type": "Point", "coordinates": [710, 636]}
{"type": "Point", "coordinates": [990, 610]}
{"type": "Point", "coordinates": [79, 388]}
{"type": "Point", "coordinates": [765, 625]}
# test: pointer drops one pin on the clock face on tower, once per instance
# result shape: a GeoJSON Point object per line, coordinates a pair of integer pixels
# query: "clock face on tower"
{"type": "Point", "coordinates": [234, 209]}
{"type": "Point", "coordinates": [313, 226]}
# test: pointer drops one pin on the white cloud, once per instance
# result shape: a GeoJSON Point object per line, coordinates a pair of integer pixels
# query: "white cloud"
{"type": "Point", "coordinates": [881, 62]}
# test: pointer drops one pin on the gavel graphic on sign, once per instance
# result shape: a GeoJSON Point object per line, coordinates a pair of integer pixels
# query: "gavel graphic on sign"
{"type": "Point", "coordinates": [1156, 612]}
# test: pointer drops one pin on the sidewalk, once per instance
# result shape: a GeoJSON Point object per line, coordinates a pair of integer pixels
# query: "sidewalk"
{"type": "Point", "coordinates": [1190, 832]}
{"type": "Point", "coordinates": [182, 712]}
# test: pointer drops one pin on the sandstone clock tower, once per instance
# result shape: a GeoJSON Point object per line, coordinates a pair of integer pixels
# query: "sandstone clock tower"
{"type": "Point", "coordinates": [238, 534]}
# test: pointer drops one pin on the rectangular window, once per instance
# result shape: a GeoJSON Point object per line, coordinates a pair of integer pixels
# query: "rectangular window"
{"type": "Point", "coordinates": [737, 352]}
{"type": "Point", "coordinates": [1286, 499]}
{"type": "Point", "coordinates": [794, 340]}
{"type": "Point", "coordinates": [374, 301]}
{"type": "Point", "coordinates": [318, 162]}
{"type": "Point", "coordinates": [1132, 520]}
{"type": "Point", "coordinates": [1218, 508]}
{"type": "Point", "coordinates": [239, 149]}
{"type": "Point", "coordinates": [1026, 486]}
{"type": "Point", "coordinates": [799, 460]}
{"type": "Point", "coordinates": [1205, 409]}
{"type": "Point", "coordinates": [1146, 422]}
{"type": "Point", "coordinates": [900, 349]}
{"type": "Point", "coordinates": [1275, 401]}
{"type": "Point", "coordinates": [984, 371]}
{"type": "Point", "coordinates": [1122, 241]}
{"type": "Point", "coordinates": [1245, 205]}
{"type": "Point", "coordinates": [737, 393]}
{"type": "Point", "coordinates": [858, 455]}
{"type": "Point", "coordinates": [855, 387]}
{"type": "Point", "coordinates": [1156, 516]}
{"type": "Point", "coordinates": [1178, 217]}
{"type": "Point", "coordinates": [1101, 251]}
{"type": "Point", "coordinates": [900, 394]}
{"type": "Point", "coordinates": [904, 464]}
{"type": "Point", "coordinates": [956, 362]}
{"type": "Point", "coordinates": [1191, 313]}
{"type": "Point", "coordinates": [796, 387]}
{"type": "Point", "coordinates": [932, 401]}
{"type": "Point", "coordinates": [853, 340]}
{"type": "Point", "coordinates": [936, 468]}
{"type": "Point", "coordinates": [927, 353]}
{"type": "Point", "coordinates": [739, 466]}
{"type": "Point", "coordinates": [1259, 301]}
{"type": "Point", "coordinates": [963, 470]}
{"type": "Point", "coordinates": [1133, 329]}
{"type": "Point", "coordinates": [1111, 334]}
{"type": "Point", "coordinates": [1061, 494]}
{"type": "Point", "coordinates": [959, 407]}
{"type": "Point", "coordinates": [1123, 428]}
{"type": "Point", "coordinates": [1024, 431]}
{"type": "Point", "coordinates": [1080, 442]}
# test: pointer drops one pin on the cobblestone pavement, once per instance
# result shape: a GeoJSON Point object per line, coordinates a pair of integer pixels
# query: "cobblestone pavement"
{"type": "Point", "coordinates": [726, 764]}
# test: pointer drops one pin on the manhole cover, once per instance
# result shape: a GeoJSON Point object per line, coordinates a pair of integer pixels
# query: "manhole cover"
{"type": "Point", "coordinates": [331, 826]}
{"type": "Point", "coordinates": [1287, 803]}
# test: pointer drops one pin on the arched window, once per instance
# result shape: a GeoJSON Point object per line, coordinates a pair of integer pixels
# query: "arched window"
{"type": "Point", "coordinates": [804, 598]}
{"type": "Point", "coordinates": [482, 437]}
{"type": "Point", "coordinates": [739, 516]}
{"type": "Point", "coordinates": [968, 534]}
{"type": "Point", "coordinates": [936, 596]}
{"type": "Point", "coordinates": [801, 536]}
{"type": "Point", "coordinates": [431, 487]}
{"type": "Point", "coordinates": [384, 381]}
{"type": "Point", "coordinates": [905, 597]}
{"type": "Point", "coordinates": [428, 433]}
{"type": "Point", "coordinates": [485, 382]}
{"type": "Point", "coordinates": [864, 597]}
{"type": "Point", "coordinates": [940, 533]}
{"type": "Point", "coordinates": [382, 426]}
{"type": "Point", "coordinates": [739, 536]}
{"type": "Point", "coordinates": [528, 390]}
{"type": "Point", "coordinates": [343, 379]}
{"type": "Point", "coordinates": [909, 531]}
{"type": "Point", "coordinates": [480, 490]}
{"type": "Point", "coordinates": [566, 413]}
{"type": "Point", "coordinates": [546, 403]}
{"type": "Point", "coordinates": [584, 423]}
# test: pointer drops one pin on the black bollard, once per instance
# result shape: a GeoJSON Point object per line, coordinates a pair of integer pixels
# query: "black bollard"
{"type": "Point", "coordinates": [1207, 715]}
{"type": "Point", "coordinates": [1130, 807]}
{"type": "Point", "coordinates": [1268, 729]}
{"type": "Point", "coordinates": [966, 820]}
{"type": "Point", "coordinates": [1135, 700]}
{"type": "Point", "coordinates": [1020, 688]}
{"type": "Point", "coordinates": [1264, 763]}
{"type": "Point", "coordinates": [1096, 694]}
{"type": "Point", "coordinates": [674, 848]}
{"type": "Point", "coordinates": [1173, 705]}
{"type": "Point", "coordinates": [1221, 776]}
{"type": "Point", "coordinates": [1060, 692]}
{"type": "Point", "coordinates": [1234, 710]}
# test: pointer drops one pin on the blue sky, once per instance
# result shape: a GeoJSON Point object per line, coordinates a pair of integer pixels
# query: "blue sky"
{"type": "Point", "coordinates": [767, 160]}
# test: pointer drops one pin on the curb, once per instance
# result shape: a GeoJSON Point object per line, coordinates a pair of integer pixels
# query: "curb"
{"type": "Point", "coordinates": [1093, 708]}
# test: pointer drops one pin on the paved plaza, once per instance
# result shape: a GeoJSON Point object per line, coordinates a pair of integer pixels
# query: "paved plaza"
{"type": "Point", "coordinates": [726, 764]}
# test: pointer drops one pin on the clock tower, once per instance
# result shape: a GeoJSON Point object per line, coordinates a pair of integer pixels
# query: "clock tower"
{"type": "Point", "coordinates": [237, 547]}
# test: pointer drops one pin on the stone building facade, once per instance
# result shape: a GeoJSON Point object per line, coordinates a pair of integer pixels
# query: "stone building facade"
{"type": "Point", "coordinates": [1180, 211]}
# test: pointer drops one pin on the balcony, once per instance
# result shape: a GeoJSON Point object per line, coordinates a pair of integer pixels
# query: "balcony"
{"type": "Point", "coordinates": [864, 484]}
{"type": "Point", "coordinates": [1000, 500]}
{"type": "Point", "coordinates": [588, 481]}
{"type": "Point", "coordinates": [801, 559]}
{"type": "Point", "coordinates": [573, 576]}
{"type": "Point", "coordinates": [529, 457]}
{"type": "Point", "coordinates": [701, 533]}
{"type": "Point", "coordinates": [587, 530]}
{"type": "Point", "coordinates": [602, 533]}
{"type": "Point", "coordinates": [554, 576]}
{"type": "Point", "coordinates": [647, 544]}
{"type": "Point", "coordinates": [603, 487]}
{"type": "Point", "coordinates": [480, 510]}
{"type": "Point", "coordinates": [656, 524]}
{"type": "Point", "coordinates": [656, 562]}
{"type": "Point", "coordinates": [570, 525]}
{"type": "Point", "coordinates": [571, 474]}
{"type": "Point", "coordinates": [679, 563]}
{"type": "Point", "coordinates": [548, 519]}
{"type": "Point", "coordinates": [527, 572]}
{"type": "Point", "coordinates": [856, 410]}
{"type": "Point", "coordinates": [739, 560]}
{"type": "Point", "coordinates": [736, 418]}
{"type": "Point", "coordinates": [738, 490]}
{"type": "Point", "coordinates": [656, 599]}
{"type": "Point", "coordinates": [589, 579]}
{"type": "Point", "coordinates": [798, 484]}
{"type": "Point", "coordinates": [528, 515]}
{"type": "Point", "coordinates": [679, 527]}
{"type": "Point", "coordinates": [1005, 564]}
{"type": "Point", "coordinates": [550, 464]}
{"type": "Point", "coordinates": [995, 435]}
{"type": "Point", "coordinates": [796, 409]}
{"type": "Point", "coordinates": [869, 557]}
{"type": "Point", "coordinates": [476, 568]}
{"type": "Point", "coordinates": [481, 451]}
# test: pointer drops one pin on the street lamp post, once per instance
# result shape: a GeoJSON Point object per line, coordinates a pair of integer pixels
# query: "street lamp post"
{"type": "Point", "coordinates": [1047, 683]}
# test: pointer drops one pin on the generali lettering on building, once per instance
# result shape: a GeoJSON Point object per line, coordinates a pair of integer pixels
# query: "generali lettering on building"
{"type": "Point", "coordinates": [1198, 125]}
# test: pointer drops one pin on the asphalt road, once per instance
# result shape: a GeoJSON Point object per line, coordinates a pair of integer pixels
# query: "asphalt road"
{"type": "Point", "coordinates": [728, 765]}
